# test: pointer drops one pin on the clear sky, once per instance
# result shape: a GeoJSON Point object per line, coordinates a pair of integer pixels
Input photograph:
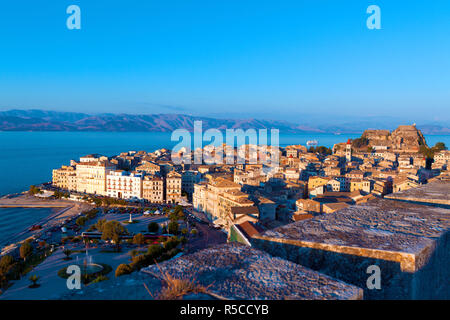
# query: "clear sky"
{"type": "Point", "coordinates": [265, 59]}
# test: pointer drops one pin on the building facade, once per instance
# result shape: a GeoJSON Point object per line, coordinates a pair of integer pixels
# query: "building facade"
{"type": "Point", "coordinates": [91, 176]}
{"type": "Point", "coordinates": [124, 185]}
{"type": "Point", "coordinates": [173, 187]}
{"type": "Point", "coordinates": [153, 189]}
{"type": "Point", "coordinates": [65, 178]}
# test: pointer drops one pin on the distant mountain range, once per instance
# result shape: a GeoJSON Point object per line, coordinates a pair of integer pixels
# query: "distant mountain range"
{"type": "Point", "coordinates": [41, 120]}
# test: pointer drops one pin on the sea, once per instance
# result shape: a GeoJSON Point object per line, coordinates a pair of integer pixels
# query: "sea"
{"type": "Point", "coordinates": [28, 158]}
{"type": "Point", "coordinates": [14, 221]}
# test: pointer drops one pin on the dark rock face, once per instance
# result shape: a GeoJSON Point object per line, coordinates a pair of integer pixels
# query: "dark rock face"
{"type": "Point", "coordinates": [410, 243]}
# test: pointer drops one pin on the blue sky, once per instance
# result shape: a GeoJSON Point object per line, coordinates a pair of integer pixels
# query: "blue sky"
{"type": "Point", "coordinates": [263, 59]}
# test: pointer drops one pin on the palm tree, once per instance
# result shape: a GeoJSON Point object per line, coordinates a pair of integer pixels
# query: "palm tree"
{"type": "Point", "coordinates": [34, 279]}
{"type": "Point", "coordinates": [67, 252]}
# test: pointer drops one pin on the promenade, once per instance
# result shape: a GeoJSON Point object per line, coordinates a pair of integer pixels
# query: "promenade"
{"type": "Point", "coordinates": [63, 210]}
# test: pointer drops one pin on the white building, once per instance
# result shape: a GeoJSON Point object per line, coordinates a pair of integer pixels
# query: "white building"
{"type": "Point", "coordinates": [124, 185]}
{"type": "Point", "coordinates": [348, 151]}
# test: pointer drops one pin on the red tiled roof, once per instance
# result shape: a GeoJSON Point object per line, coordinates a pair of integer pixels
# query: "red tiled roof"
{"type": "Point", "coordinates": [249, 229]}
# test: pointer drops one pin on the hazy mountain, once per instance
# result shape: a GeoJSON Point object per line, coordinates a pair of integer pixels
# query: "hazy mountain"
{"type": "Point", "coordinates": [41, 120]}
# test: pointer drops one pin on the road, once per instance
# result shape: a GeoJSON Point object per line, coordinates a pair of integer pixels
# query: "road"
{"type": "Point", "coordinates": [207, 237]}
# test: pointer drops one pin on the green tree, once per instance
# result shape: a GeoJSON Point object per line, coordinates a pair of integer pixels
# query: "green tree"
{"type": "Point", "coordinates": [140, 261]}
{"type": "Point", "coordinates": [134, 253]}
{"type": "Point", "coordinates": [439, 146]}
{"type": "Point", "coordinates": [67, 253]}
{"type": "Point", "coordinates": [177, 214]}
{"type": "Point", "coordinates": [113, 230]}
{"type": "Point", "coordinates": [34, 279]}
{"type": "Point", "coordinates": [123, 269]}
{"type": "Point", "coordinates": [426, 152]}
{"type": "Point", "coordinates": [99, 225]}
{"type": "Point", "coordinates": [360, 142]}
{"type": "Point", "coordinates": [153, 227]}
{"type": "Point", "coordinates": [139, 239]}
{"type": "Point", "coordinates": [173, 227]}
{"type": "Point", "coordinates": [100, 278]}
{"type": "Point", "coordinates": [155, 250]}
{"type": "Point", "coordinates": [34, 190]}
{"type": "Point", "coordinates": [6, 263]}
{"type": "Point", "coordinates": [25, 250]}
{"type": "Point", "coordinates": [3, 281]}
{"type": "Point", "coordinates": [171, 243]}
{"type": "Point", "coordinates": [81, 221]}
{"type": "Point", "coordinates": [97, 202]}
{"type": "Point", "coordinates": [324, 150]}
{"type": "Point", "coordinates": [91, 214]}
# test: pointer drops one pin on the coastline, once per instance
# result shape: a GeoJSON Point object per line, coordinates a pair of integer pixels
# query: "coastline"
{"type": "Point", "coordinates": [62, 211]}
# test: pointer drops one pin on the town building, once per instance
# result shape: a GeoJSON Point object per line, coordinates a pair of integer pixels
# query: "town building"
{"type": "Point", "coordinates": [124, 185]}
{"type": "Point", "coordinates": [173, 187]}
{"type": "Point", "coordinates": [91, 176]}
{"type": "Point", "coordinates": [188, 179]}
{"type": "Point", "coordinates": [348, 151]}
{"type": "Point", "coordinates": [65, 178]}
{"type": "Point", "coordinates": [153, 189]}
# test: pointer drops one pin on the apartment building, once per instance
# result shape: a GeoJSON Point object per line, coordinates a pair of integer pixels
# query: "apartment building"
{"type": "Point", "coordinates": [153, 189]}
{"type": "Point", "coordinates": [332, 171]}
{"type": "Point", "coordinates": [205, 197]}
{"type": "Point", "coordinates": [442, 157]}
{"type": "Point", "coordinates": [188, 179]}
{"type": "Point", "coordinates": [148, 168]}
{"type": "Point", "coordinates": [229, 208]}
{"type": "Point", "coordinates": [91, 176]}
{"type": "Point", "coordinates": [173, 187]}
{"type": "Point", "coordinates": [334, 185]}
{"type": "Point", "coordinates": [403, 183]}
{"type": "Point", "coordinates": [295, 150]}
{"type": "Point", "coordinates": [314, 182]}
{"type": "Point", "coordinates": [65, 178]}
{"type": "Point", "coordinates": [355, 174]}
{"type": "Point", "coordinates": [360, 184]}
{"type": "Point", "coordinates": [124, 185]}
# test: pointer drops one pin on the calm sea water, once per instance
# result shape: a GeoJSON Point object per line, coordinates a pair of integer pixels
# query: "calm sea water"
{"type": "Point", "coordinates": [16, 220]}
{"type": "Point", "coordinates": [29, 157]}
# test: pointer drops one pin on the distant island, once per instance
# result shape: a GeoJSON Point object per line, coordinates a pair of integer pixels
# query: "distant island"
{"type": "Point", "coordinates": [42, 120]}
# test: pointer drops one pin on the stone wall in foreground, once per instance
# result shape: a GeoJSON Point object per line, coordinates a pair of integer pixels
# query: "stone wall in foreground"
{"type": "Point", "coordinates": [431, 281]}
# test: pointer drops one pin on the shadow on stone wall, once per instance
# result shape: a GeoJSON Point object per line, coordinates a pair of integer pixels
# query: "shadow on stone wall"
{"type": "Point", "coordinates": [431, 282]}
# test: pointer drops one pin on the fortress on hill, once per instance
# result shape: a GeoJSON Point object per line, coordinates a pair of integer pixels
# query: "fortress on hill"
{"type": "Point", "coordinates": [406, 138]}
